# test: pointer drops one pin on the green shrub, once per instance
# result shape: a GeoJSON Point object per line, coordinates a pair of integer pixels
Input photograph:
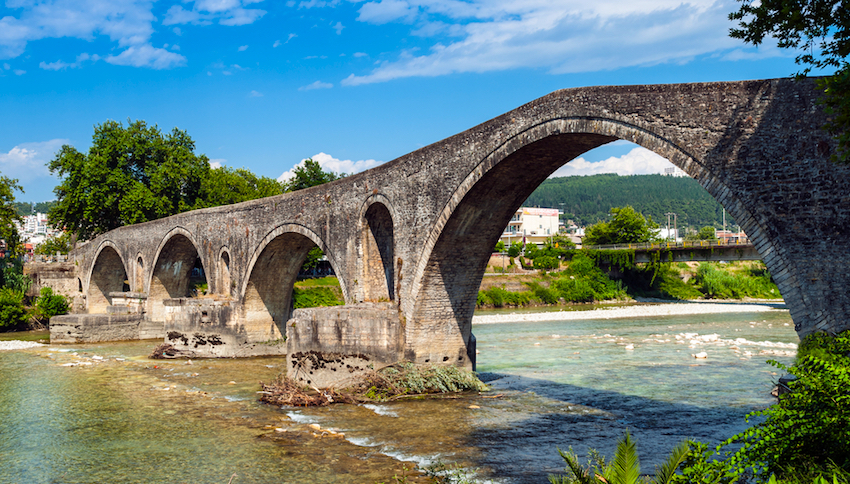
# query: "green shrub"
{"type": "Point", "coordinates": [808, 427]}
{"type": "Point", "coordinates": [500, 297]}
{"type": "Point", "coordinates": [313, 297]}
{"type": "Point", "coordinates": [49, 304]}
{"type": "Point", "coordinates": [12, 310]}
{"type": "Point", "coordinates": [546, 295]}
{"type": "Point", "coordinates": [546, 262]}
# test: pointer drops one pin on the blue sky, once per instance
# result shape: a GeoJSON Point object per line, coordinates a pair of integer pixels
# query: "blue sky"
{"type": "Point", "coordinates": [263, 85]}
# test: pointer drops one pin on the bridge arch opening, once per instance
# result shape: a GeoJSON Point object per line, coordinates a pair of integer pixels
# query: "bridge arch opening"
{"type": "Point", "coordinates": [139, 279]}
{"type": "Point", "coordinates": [224, 277]}
{"type": "Point", "coordinates": [267, 298]}
{"type": "Point", "coordinates": [177, 271]}
{"type": "Point", "coordinates": [457, 251]}
{"type": "Point", "coordinates": [378, 254]}
{"type": "Point", "coordinates": [108, 275]}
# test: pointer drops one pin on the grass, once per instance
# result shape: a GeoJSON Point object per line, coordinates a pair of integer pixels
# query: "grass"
{"type": "Point", "coordinates": [26, 336]}
{"type": "Point", "coordinates": [319, 281]}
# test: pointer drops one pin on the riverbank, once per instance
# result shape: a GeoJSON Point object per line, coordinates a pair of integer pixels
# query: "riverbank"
{"type": "Point", "coordinates": [640, 310]}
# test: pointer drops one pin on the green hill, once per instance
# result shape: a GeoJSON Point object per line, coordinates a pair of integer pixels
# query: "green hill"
{"type": "Point", "coordinates": [588, 199]}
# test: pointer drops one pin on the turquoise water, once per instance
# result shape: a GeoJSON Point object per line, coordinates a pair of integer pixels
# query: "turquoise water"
{"type": "Point", "coordinates": [124, 418]}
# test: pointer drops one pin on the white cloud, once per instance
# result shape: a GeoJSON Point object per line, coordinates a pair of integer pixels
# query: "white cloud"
{"type": "Point", "coordinates": [126, 22]}
{"type": "Point", "coordinates": [19, 72]}
{"type": "Point", "coordinates": [242, 48]}
{"type": "Point", "coordinates": [276, 44]}
{"type": "Point", "coordinates": [329, 163]}
{"type": "Point", "coordinates": [255, 94]}
{"type": "Point", "coordinates": [146, 55]}
{"type": "Point", "coordinates": [217, 163]}
{"type": "Point", "coordinates": [638, 161]}
{"type": "Point", "coordinates": [560, 36]}
{"type": "Point", "coordinates": [361, 54]}
{"type": "Point", "coordinates": [316, 85]}
{"type": "Point", "coordinates": [60, 65]}
{"type": "Point", "coordinates": [204, 12]}
{"type": "Point", "coordinates": [338, 27]}
{"type": "Point", "coordinates": [28, 161]}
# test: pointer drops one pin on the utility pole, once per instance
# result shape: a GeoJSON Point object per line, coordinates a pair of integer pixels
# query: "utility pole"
{"type": "Point", "coordinates": [668, 224]}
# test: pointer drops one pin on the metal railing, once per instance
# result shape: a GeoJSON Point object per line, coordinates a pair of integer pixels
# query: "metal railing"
{"type": "Point", "coordinates": [685, 244]}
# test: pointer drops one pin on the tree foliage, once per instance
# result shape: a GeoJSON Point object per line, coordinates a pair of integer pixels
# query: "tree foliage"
{"type": "Point", "coordinates": [627, 226]}
{"type": "Point", "coordinates": [136, 173]}
{"type": "Point", "coordinates": [820, 31]}
{"type": "Point", "coordinates": [310, 175]}
{"type": "Point", "coordinates": [9, 214]}
{"type": "Point", "coordinates": [59, 244]}
{"type": "Point", "coordinates": [705, 233]}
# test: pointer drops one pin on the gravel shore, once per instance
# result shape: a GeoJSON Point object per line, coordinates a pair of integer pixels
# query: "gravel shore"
{"type": "Point", "coordinates": [636, 311]}
{"type": "Point", "coordinates": [18, 345]}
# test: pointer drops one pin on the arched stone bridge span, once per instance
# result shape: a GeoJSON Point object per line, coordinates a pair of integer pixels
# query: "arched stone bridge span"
{"type": "Point", "coordinates": [416, 232]}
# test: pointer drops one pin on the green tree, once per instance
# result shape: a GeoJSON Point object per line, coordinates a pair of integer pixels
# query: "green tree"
{"type": "Point", "coordinates": [820, 31]}
{"type": "Point", "coordinates": [627, 226]}
{"type": "Point", "coordinates": [52, 245]}
{"type": "Point", "coordinates": [9, 214]}
{"type": "Point", "coordinates": [515, 249]}
{"type": "Point", "coordinates": [310, 175]}
{"type": "Point", "coordinates": [705, 233]}
{"type": "Point", "coordinates": [500, 246]}
{"type": "Point", "coordinates": [129, 175]}
{"type": "Point", "coordinates": [224, 186]}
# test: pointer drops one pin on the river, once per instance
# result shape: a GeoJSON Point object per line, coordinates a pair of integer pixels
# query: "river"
{"type": "Point", "coordinates": [105, 413]}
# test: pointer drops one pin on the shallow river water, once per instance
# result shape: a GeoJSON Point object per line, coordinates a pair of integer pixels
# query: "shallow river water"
{"type": "Point", "coordinates": [112, 415]}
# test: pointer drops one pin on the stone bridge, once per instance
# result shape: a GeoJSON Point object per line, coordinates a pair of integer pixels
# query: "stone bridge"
{"type": "Point", "coordinates": [413, 236]}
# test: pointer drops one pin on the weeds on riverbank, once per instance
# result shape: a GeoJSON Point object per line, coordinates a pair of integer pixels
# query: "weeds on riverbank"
{"type": "Point", "coordinates": [404, 380]}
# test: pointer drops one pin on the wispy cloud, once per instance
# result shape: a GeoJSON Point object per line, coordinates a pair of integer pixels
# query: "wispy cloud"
{"type": "Point", "coordinates": [61, 65]}
{"type": "Point", "coordinates": [255, 94]}
{"type": "Point", "coordinates": [242, 48]}
{"type": "Point", "coordinates": [204, 12]}
{"type": "Point", "coordinates": [28, 161]}
{"type": "Point", "coordinates": [329, 163]}
{"type": "Point", "coordinates": [146, 55]}
{"type": "Point", "coordinates": [316, 85]}
{"type": "Point", "coordinates": [560, 36]}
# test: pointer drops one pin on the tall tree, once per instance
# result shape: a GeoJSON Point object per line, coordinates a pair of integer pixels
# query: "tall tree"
{"type": "Point", "coordinates": [224, 186]}
{"type": "Point", "coordinates": [9, 213]}
{"type": "Point", "coordinates": [310, 175]}
{"type": "Point", "coordinates": [820, 31]}
{"type": "Point", "coordinates": [129, 175]}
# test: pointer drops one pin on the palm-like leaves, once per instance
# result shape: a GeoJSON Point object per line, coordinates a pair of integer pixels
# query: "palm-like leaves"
{"type": "Point", "coordinates": [624, 468]}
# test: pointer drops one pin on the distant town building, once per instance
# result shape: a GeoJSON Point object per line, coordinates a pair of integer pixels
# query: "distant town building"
{"type": "Point", "coordinates": [674, 172]}
{"type": "Point", "coordinates": [34, 230]}
{"type": "Point", "coordinates": [729, 237]}
{"type": "Point", "coordinates": [532, 225]}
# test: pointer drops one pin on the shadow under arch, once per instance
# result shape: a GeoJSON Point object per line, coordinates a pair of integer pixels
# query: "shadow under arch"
{"type": "Point", "coordinates": [454, 256]}
{"type": "Point", "coordinates": [266, 294]}
{"type": "Point", "coordinates": [108, 274]}
{"type": "Point", "coordinates": [377, 250]}
{"type": "Point", "coordinates": [170, 276]}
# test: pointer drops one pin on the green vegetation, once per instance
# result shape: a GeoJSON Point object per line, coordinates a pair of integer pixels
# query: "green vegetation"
{"type": "Point", "coordinates": [705, 233]}
{"type": "Point", "coordinates": [820, 31]}
{"type": "Point", "coordinates": [802, 439]}
{"type": "Point", "coordinates": [9, 215]}
{"type": "Point", "coordinates": [12, 310]}
{"type": "Point", "coordinates": [30, 208]}
{"type": "Point", "coordinates": [320, 292]}
{"type": "Point", "coordinates": [60, 244]}
{"type": "Point", "coordinates": [627, 226]}
{"type": "Point", "coordinates": [592, 276]}
{"type": "Point", "coordinates": [48, 304]}
{"type": "Point", "coordinates": [589, 199]}
{"type": "Point", "coordinates": [136, 173]}
{"type": "Point", "coordinates": [310, 175]}
{"type": "Point", "coordinates": [624, 468]}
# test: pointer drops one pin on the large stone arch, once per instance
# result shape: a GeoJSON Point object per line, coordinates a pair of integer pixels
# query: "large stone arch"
{"type": "Point", "coordinates": [455, 253]}
{"type": "Point", "coordinates": [266, 293]}
{"type": "Point", "coordinates": [377, 271]}
{"type": "Point", "coordinates": [170, 272]}
{"type": "Point", "coordinates": [108, 274]}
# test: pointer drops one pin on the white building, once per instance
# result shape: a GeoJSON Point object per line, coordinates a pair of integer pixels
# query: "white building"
{"type": "Point", "coordinates": [532, 225]}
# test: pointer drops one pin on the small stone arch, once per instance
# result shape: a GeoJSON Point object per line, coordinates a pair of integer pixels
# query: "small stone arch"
{"type": "Point", "coordinates": [108, 274]}
{"type": "Point", "coordinates": [175, 257]}
{"type": "Point", "coordinates": [225, 282]}
{"type": "Point", "coordinates": [139, 273]}
{"type": "Point", "coordinates": [376, 255]}
{"type": "Point", "coordinates": [266, 294]}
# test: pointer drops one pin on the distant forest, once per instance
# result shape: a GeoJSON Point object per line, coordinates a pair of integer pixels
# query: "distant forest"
{"type": "Point", "coordinates": [588, 199]}
{"type": "Point", "coordinates": [29, 208]}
